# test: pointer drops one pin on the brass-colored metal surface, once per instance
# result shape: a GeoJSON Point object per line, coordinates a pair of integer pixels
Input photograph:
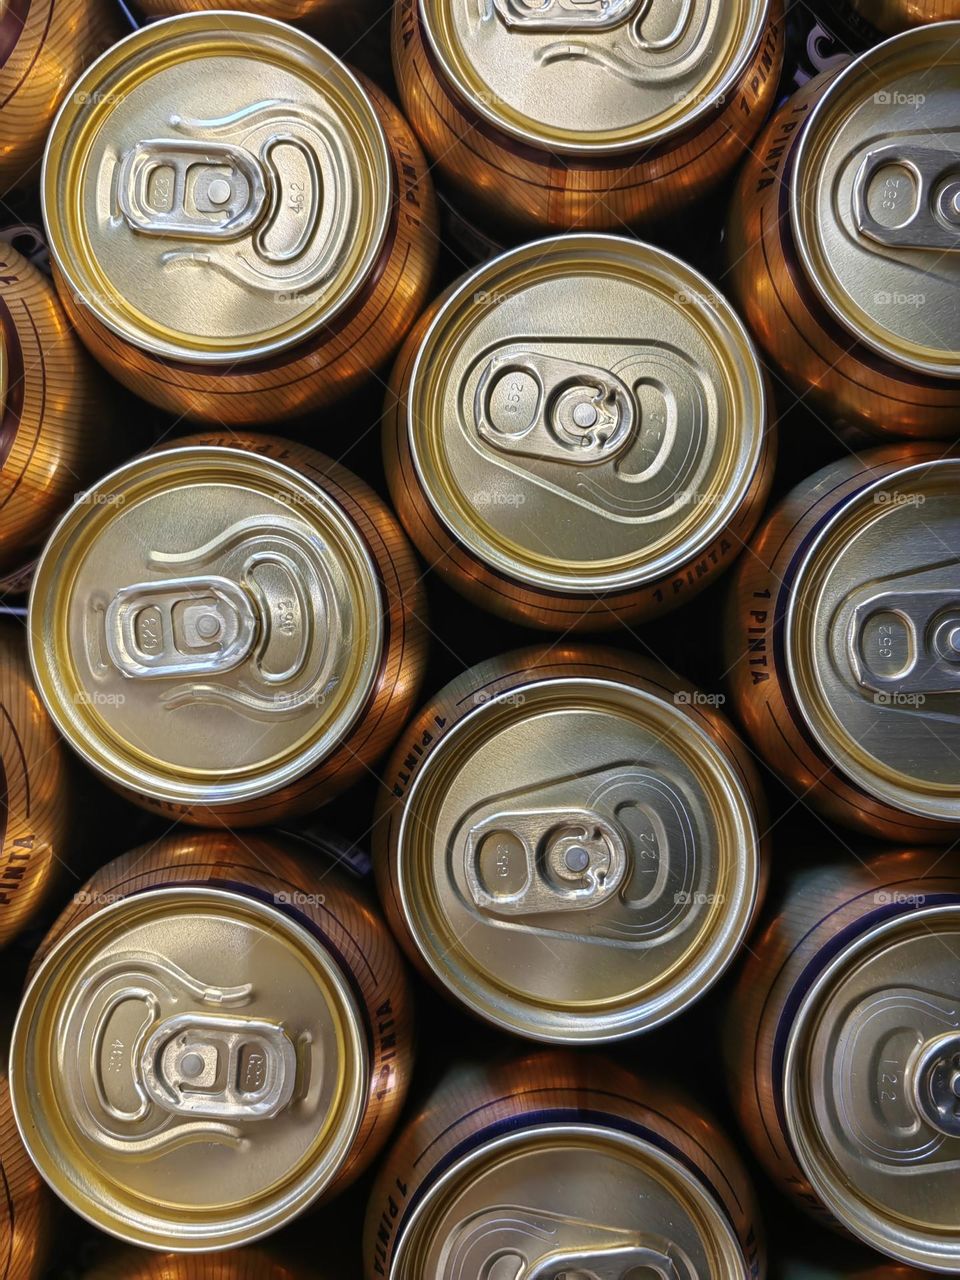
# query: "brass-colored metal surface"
{"type": "Point", "coordinates": [791, 1270]}
{"type": "Point", "coordinates": [215, 1034]}
{"type": "Point", "coordinates": [842, 237]}
{"type": "Point", "coordinates": [57, 423]}
{"type": "Point", "coordinates": [241, 229]}
{"type": "Point", "coordinates": [561, 114]}
{"type": "Point", "coordinates": [554, 1165]}
{"type": "Point", "coordinates": [578, 432]}
{"type": "Point", "coordinates": [36, 794]}
{"type": "Point", "coordinates": [840, 647]}
{"type": "Point", "coordinates": [843, 1044]}
{"type": "Point", "coordinates": [240, 1264]}
{"type": "Point", "coordinates": [575, 900]}
{"type": "Point", "coordinates": [228, 627]}
{"type": "Point", "coordinates": [346, 23]}
{"type": "Point", "coordinates": [44, 45]}
{"type": "Point", "coordinates": [891, 16]}
{"type": "Point", "coordinates": [26, 1205]}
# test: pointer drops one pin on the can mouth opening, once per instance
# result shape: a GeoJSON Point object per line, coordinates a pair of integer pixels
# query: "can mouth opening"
{"type": "Point", "coordinates": [64, 1140]}
{"type": "Point", "coordinates": [305, 276]}
{"type": "Point", "coordinates": [438, 912]}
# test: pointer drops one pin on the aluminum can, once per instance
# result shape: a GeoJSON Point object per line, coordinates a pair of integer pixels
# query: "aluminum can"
{"type": "Point", "coordinates": [560, 1164]}
{"type": "Point", "coordinates": [57, 425]}
{"type": "Point", "coordinates": [842, 234]}
{"type": "Point", "coordinates": [229, 629]}
{"type": "Point", "coordinates": [860, 23]}
{"type": "Point", "coordinates": [843, 643]}
{"type": "Point", "coordinates": [26, 1205]}
{"type": "Point", "coordinates": [571, 903]}
{"type": "Point", "coordinates": [843, 1049]}
{"type": "Point", "coordinates": [36, 795]}
{"type": "Point", "coordinates": [563, 114]}
{"type": "Point", "coordinates": [791, 1269]}
{"type": "Point", "coordinates": [347, 23]}
{"type": "Point", "coordinates": [239, 1264]}
{"type": "Point", "coordinates": [567, 481]}
{"type": "Point", "coordinates": [242, 230]}
{"type": "Point", "coordinates": [240, 1042]}
{"type": "Point", "coordinates": [44, 46]}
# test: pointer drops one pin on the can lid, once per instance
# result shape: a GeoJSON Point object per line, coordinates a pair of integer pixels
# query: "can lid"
{"type": "Point", "coordinates": [872, 638]}
{"type": "Point", "coordinates": [875, 204]}
{"type": "Point", "coordinates": [216, 191]}
{"type": "Point", "coordinates": [586, 414]}
{"type": "Point", "coordinates": [872, 1080]}
{"type": "Point", "coordinates": [206, 625]}
{"type": "Point", "coordinates": [188, 1068]}
{"type": "Point", "coordinates": [593, 75]}
{"type": "Point", "coordinates": [580, 901]}
{"type": "Point", "coordinates": [581, 1198]}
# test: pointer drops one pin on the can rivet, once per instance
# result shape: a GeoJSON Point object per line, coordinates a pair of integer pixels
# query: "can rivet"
{"type": "Point", "coordinates": [191, 1065]}
{"type": "Point", "coordinates": [585, 415]}
{"type": "Point", "coordinates": [208, 626]}
{"type": "Point", "coordinates": [577, 859]}
{"type": "Point", "coordinates": [219, 191]}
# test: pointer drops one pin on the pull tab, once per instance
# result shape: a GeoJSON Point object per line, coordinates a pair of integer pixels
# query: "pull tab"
{"type": "Point", "coordinates": [527, 863]}
{"type": "Point", "coordinates": [558, 410]}
{"type": "Point", "coordinates": [605, 1264]}
{"type": "Point", "coordinates": [228, 1068]}
{"type": "Point", "coordinates": [197, 190]}
{"type": "Point", "coordinates": [935, 221]}
{"type": "Point", "coordinates": [936, 1083]}
{"type": "Point", "coordinates": [565, 15]}
{"type": "Point", "coordinates": [907, 642]}
{"type": "Point", "coordinates": [183, 626]}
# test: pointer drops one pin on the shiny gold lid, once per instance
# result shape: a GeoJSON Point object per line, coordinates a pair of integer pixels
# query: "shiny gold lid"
{"type": "Point", "coordinates": [872, 638]}
{"type": "Point", "coordinates": [206, 625]}
{"type": "Point", "coordinates": [188, 1069]}
{"type": "Point", "coordinates": [871, 1082]}
{"type": "Point", "coordinates": [593, 75]}
{"type": "Point", "coordinates": [567, 1200]}
{"type": "Point", "coordinates": [585, 413]}
{"type": "Point", "coordinates": [216, 187]}
{"type": "Point", "coordinates": [577, 861]}
{"type": "Point", "coordinates": [876, 200]}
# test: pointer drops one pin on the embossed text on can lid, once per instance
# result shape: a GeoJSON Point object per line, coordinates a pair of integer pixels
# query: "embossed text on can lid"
{"type": "Point", "coordinates": [876, 199]}
{"type": "Point", "coordinates": [205, 625]}
{"type": "Point", "coordinates": [872, 638]}
{"type": "Point", "coordinates": [871, 1078]}
{"type": "Point", "coordinates": [567, 1199]}
{"type": "Point", "coordinates": [188, 1068]}
{"type": "Point", "coordinates": [216, 187]}
{"type": "Point", "coordinates": [593, 75]}
{"type": "Point", "coordinates": [586, 414]}
{"type": "Point", "coordinates": [577, 861]}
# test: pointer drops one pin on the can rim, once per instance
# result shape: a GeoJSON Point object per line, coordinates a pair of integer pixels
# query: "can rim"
{"type": "Point", "coordinates": [866, 1224]}
{"type": "Point", "coordinates": [384, 194]}
{"type": "Point", "coordinates": [353, 1104]}
{"type": "Point", "coordinates": [45, 653]}
{"type": "Point", "coordinates": [553, 1022]}
{"type": "Point", "coordinates": [875, 779]}
{"type": "Point", "coordinates": [583, 146]}
{"type": "Point", "coordinates": [804, 162]}
{"type": "Point", "coordinates": [749, 384]}
{"type": "Point", "coordinates": [684, 1181]}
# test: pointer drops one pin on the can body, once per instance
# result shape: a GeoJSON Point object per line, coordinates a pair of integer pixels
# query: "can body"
{"type": "Point", "coordinates": [860, 23]}
{"type": "Point", "coordinates": [58, 429]}
{"type": "Point", "coordinates": [521, 181]}
{"type": "Point", "coordinates": [563, 907]}
{"type": "Point", "coordinates": [495, 1124]}
{"type": "Point", "coordinates": [344, 1002]}
{"type": "Point", "coordinates": [783, 1072]}
{"type": "Point", "coordinates": [37, 807]}
{"type": "Point", "coordinates": [43, 48]}
{"type": "Point", "coordinates": [248, 1264]}
{"type": "Point", "coordinates": [558, 462]}
{"type": "Point", "coordinates": [316, 570]}
{"type": "Point", "coordinates": [27, 1216]}
{"type": "Point", "coordinates": [859, 763]}
{"type": "Point", "coordinates": [343, 290]}
{"type": "Point", "coordinates": [854, 365]}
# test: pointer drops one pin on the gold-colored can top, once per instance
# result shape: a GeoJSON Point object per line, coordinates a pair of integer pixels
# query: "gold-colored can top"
{"type": "Point", "coordinates": [585, 413]}
{"type": "Point", "coordinates": [577, 902]}
{"type": "Point", "coordinates": [187, 1068]}
{"type": "Point", "coordinates": [872, 637]}
{"type": "Point", "coordinates": [870, 1076]}
{"type": "Point", "coordinates": [581, 1198]}
{"type": "Point", "coordinates": [593, 75]}
{"type": "Point", "coordinates": [206, 625]}
{"type": "Point", "coordinates": [216, 188]}
{"type": "Point", "coordinates": [876, 199]}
